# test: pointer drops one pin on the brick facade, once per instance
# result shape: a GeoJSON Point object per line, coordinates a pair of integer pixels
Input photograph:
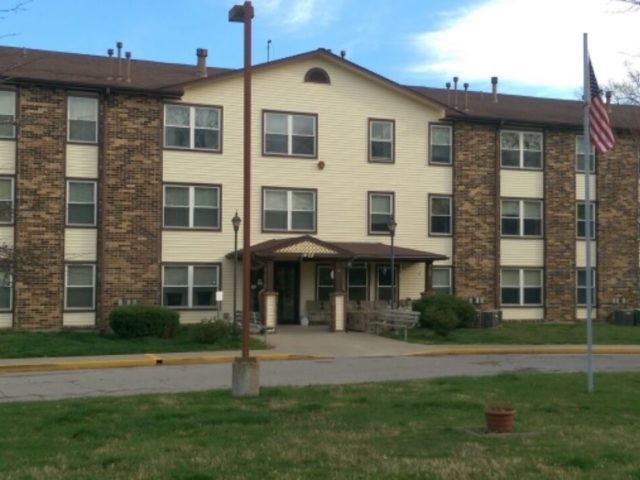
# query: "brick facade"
{"type": "Point", "coordinates": [560, 224]}
{"type": "Point", "coordinates": [475, 197]}
{"type": "Point", "coordinates": [40, 208]}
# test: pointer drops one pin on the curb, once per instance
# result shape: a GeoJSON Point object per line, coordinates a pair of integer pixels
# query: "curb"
{"type": "Point", "coordinates": [564, 350]}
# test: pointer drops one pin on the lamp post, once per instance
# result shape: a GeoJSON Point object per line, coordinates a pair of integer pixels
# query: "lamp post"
{"type": "Point", "coordinates": [235, 221]}
{"type": "Point", "coordinates": [392, 224]}
{"type": "Point", "coordinates": [245, 372]}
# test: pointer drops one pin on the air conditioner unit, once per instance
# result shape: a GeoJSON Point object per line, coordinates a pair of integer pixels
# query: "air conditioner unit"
{"type": "Point", "coordinates": [488, 318]}
{"type": "Point", "coordinates": [623, 317]}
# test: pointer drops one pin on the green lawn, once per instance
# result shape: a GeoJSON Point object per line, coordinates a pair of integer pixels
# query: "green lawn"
{"type": "Point", "coordinates": [21, 344]}
{"type": "Point", "coordinates": [533, 334]}
{"type": "Point", "coordinates": [405, 430]}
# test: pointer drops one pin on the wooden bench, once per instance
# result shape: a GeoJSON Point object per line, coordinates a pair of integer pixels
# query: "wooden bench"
{"type": "Point", "coordinates": [389, 320]}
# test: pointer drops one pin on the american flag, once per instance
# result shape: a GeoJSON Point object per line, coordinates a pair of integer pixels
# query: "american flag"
{"type": "Point", "coordinates": [600, 133]}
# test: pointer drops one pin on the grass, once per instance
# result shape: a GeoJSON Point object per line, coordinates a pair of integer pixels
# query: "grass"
{"type": "Point", "coordinates": [532, 334]}
{"type": "Point", "coordinates": [404, 430]}
{"type": "Point", "coordinates": [68, 343]}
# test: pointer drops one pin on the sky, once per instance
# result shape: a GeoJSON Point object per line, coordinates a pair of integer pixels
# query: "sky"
{"type": "Point", "coordinates": [533, 46]}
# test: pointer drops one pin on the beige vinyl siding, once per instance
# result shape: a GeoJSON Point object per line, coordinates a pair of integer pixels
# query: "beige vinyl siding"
{"type": "Point", "coordinates": [411, 281]}
{"type": "Point", "coordinates": [82, 161]}
{"type": "Point", "coordinates": [79, 319]}
{"type": "Point", "coordinates": [441, 245]}
{"type": "Point", "coordinates": [520, 314]}
{"type": "Point", "coordinates": [580, 187]}
{"type": "Point", "coordinates": [187, 166]}
{"type": "Point", "coordinates": [581, 255]}
{"type": "Point", "coordinates": [7, 157]}
{"type": "Point", "coordinates": [6, 320]}
{"type": "Point", "coordinates": [196, 316]}
{"type": "Point", "coordinates": [198, 246]}
{"type": "Point", "coordinates": [581, 313]}
{"type": "Point", "coordinates": [6, 236]}
{"type": "Point", "coordinates": [521, 253]}
{"type": "Point", "coordinates": [521, 184]}
{"type": "Point", "coordinates": [80, 244]}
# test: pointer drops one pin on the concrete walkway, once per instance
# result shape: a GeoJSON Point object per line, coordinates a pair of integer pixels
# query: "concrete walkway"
{"type": "Point", "coordinates": [299, 343]}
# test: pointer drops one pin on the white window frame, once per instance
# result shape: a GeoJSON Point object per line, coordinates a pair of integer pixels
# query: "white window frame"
{"type": "Point", "coordinates": [191, 206]}
{"type": "Point", "coordinates": [290, 210]}
{"type": "Point", "coordinates": [11, 201]}
{"type": "Point", "coordinates": [521, 134]}
{"type": "Point", "coordinates": [583, 286]}
{"type": "Point", "coordinates": [289, 116]}
{"type": "Point", "coordinates": [391, 141]}
{"type": "Point", "coordinates": [70, 100]}
{"type": "Point", "coordinates": [94, 203]}
{"type": "Point", "coordinates": [8, 278]}
{"type": "Point", "coordinates": [522, 218]}
{"type": "Point", "coordinates": [582, 220]}
{"type": "Point", "coordinates": [319, 285]}
{"type": "Point", "coordinates": [10, 113]}
{"type": "Point", "coordinates": [67, 286]}
{"type": "Point", "coordinates": [580, 153]}
{"type": "Point", "coordinates": [438, 288]}
{"type": "Point", "coordinates": [391, 212]}
{"type": "Point", "coordinates": [193, 127]}
{"type": "Point", "coordinates": [521, 287]}
{"type": "Point", "coordinates": [432, 144]}
{"type": "Point", "coordinates": [366, 280]}
{"type": "Point", "coordinates": [431, 215]}
{"type": "Point", "coordinates": [190, 285]}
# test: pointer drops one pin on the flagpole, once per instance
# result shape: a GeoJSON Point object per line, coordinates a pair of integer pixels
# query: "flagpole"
{"type": "Point", "coordinates": [587, 215]}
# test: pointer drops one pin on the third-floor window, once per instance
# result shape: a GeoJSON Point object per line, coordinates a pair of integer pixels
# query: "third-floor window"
{"type": "Point", "coordinates": [521, 149]}
{"type": "Point", "coordinates": [191, 127]}
{"type": "Point", "coordinates": [82, 117]}
{"type": "Point", "coordinates": [289, 134]}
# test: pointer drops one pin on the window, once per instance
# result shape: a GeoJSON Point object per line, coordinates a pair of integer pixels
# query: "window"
{"type": "Point", "coordinates": [581, 286]}
{"type": "Point", "coordinates": [324, 282]}
{"type": "Point", "coordinates": [289, 134]}
{"type": "Point", "coordinates": [440, 144]}
{"type": "Point", "coordinates": [6, 290]}
{"type": "Point", "coordinates": [581, 222]}
{"type": "Point", "coordinates": [381, 136]}
{"type": "Point", "coordinates": [191, 207]}
{"type": "Point", "coordinates": [289, 210]}
{"type": "Point", "coordinates": [522, 218]}
{"type": "Point", "coordinates": [440, 210]}
{"type": "Point", "coordinates": [380, 212]}
{"type": "Point", "coordinates": [580, 155]}
{"type": "Point", "coordinates": [384, 282]}
{"type": "Point", "coordinates": [441, 280]}
{"type": "Point", "coordinates": [190, 286]}
{"type": "Point", "coordinates": [520, 286]}
{"type": "Point", "coordinates": [197, 128]}
{"type": "Point", "coordinates": [80, 287]}
{"type": "Point", "coordinates": [81, 203]}
{"type": "Point", "coordinates": [521, 149]}
{"type": "Point", "coordinates": [358, 282]}
{"type": "Point", "coordinates": [6, 200]}
{"type": "Point", "coordinates": [317, 75]}
{"type": "Point", "coordinates": [7, 114]}
{"type": "Point", "coordinates": [83, 119]}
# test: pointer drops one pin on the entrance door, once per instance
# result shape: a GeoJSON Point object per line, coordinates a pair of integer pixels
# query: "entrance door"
{"type": "Point", "coordinates": [287, 284]}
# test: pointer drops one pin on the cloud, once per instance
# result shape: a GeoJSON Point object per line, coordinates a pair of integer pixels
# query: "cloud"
{"type": "Point", "coordinates": [531, 43]}
{"type": "Point", "coordinates": [297, 14]}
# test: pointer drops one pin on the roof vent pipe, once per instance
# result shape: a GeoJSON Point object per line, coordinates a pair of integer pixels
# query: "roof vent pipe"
{"type": "Point", "coordinates": [466, 95]}
{"type": "Point", "coordinates": [128, 57]}
{"type": "Point", "coordinates": [607, 95]}
{"type": "Point", "coordinates": [343, 53]}
{"type": "Point", "coordinates": [455, 91]}
{"type": "Point", "coordinates": [494, 88]}
{"type": "Point", "coordinates": [110, 53]}
{"type": "Point", "coordinates": [448, 84]}
{"type": "Point", "coordinates": [202, 53]}
{"type": "Point", "coordinates": [119, 45]}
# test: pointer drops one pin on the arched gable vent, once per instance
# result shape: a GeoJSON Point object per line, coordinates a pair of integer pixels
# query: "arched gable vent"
{"type": "Point", "coordinates": [317, 75]}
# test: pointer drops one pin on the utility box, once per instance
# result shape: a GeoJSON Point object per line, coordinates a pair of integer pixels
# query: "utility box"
{"type": "Point", "coordinates": [636, 317]}
{"type": "Point", "coordinates": [624, 317]}
{"type": "Point", "coordinates": [488, 318]}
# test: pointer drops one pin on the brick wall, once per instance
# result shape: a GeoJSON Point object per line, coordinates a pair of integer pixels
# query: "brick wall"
{"type": "Point", "coordinates": [560, 225]}
{"type": "Point", "coordinates": [40, 208]}
{"type": "Point", "coordinates": [617, 234]}
{"type": "Point", "coordinates": [475, 190]}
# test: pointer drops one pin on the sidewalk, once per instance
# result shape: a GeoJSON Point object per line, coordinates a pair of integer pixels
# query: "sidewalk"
{"type": "Point", "coordinates": [302, 344]}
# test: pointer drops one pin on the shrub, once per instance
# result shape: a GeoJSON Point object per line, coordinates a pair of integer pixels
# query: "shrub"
{"type": "Point", "coordinates": [443, 321]}
{"type": "Point", "coordinates": [133, 321]}
{"type": "Point", "coordinates": [463, 312]}
{"type": "Point", "coordinates": [211, 331]}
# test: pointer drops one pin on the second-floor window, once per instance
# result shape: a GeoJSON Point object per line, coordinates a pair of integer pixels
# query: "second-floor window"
{"type": "Point", "coordinates": [191, 127]}
{"type": "Point", "coordinates": [522, 218]}
{"type": "Point", "coordinates": [440, 144]}
{"type": "Point", "coordinates": [82, 119]}
{"type": "Point", "coordinates": [440, 212]}
{"type": "Point", "coordinates": [6, 200]}
{"type": "Point", "coordinates": [580, 156]}
{"type": "Point", "coordinates": [521, 149]}
{"type": "Point", "coordinates": [81, 203]}
{"type": "Point", "coordinates": [581, 222]}
{"type": "Point", "coordinates": [290, 134]}
{"type": "Point", "coordinates": [380, 212]}
{"type": "Point", "coordinates": [187, 206]}
{"type": "Point", "coordinates": [289, 210]}
{"type": "Point", "coordinates": [7, 114]}
{"type": "Point", "coordinates": [381, 136]}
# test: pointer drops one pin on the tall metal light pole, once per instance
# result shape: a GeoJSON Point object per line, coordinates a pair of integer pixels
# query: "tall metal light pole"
{"type": "Point", "coordinates": [235, 221]}
{"type": "Point", "coordinates": [392, 232]}
{"type": "Point", "coordinates": [245, 376]}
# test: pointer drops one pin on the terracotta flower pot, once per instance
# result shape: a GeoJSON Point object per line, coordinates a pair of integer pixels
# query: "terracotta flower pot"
{"type": "Point", "coordinates": [499, 420]}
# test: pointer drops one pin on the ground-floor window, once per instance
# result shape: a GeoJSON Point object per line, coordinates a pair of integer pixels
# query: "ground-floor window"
{"type": "Point", "coordinates": [324, 282]}
{"type": "Point", "coordinates": [581, 286]}
{"type": "Point", "coordinates": [6, 287]}
{"type": "Point", "coordinates": [358, 283]}
{"type": "Point", "coordinates": [441, 280]}
{"type": "Point", "coordinates": [521, 286]}
{"type": "Point", "coordinates": [190, 286]}
{"type": "Point", "coordinates": [80, 286]}
{"type": "Point", "coordinates": [383, 287]}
